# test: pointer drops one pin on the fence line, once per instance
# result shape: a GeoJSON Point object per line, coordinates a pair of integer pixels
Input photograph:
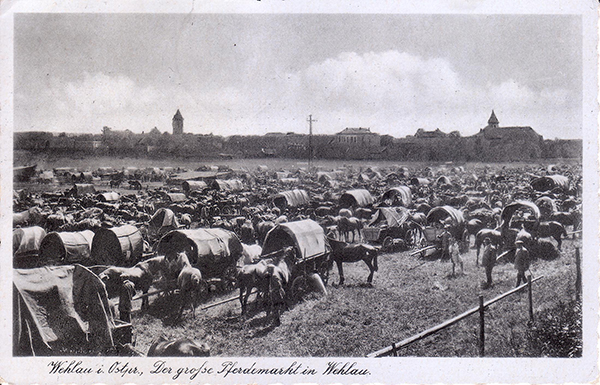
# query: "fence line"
{"type": "Point", "coordinates": [392, 349]}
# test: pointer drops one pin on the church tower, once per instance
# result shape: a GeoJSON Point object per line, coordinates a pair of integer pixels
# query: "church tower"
{"type": "Point", "coordinates": [492, 122]}
{"type": "Point", "coordinates": [178, 124]}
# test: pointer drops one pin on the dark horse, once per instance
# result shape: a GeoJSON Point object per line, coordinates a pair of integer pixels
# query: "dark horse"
{"type": "Point", "coordinates": [344, 252]}
{"type": "Point", "coordinates": [552, 229]}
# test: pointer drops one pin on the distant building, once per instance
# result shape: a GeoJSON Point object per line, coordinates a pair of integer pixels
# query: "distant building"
{"type": "Point", "coordinates": [358, 136]}
{"type": "Point", "coordinates": [177, 123]}
{"type": "Point", "coordinates": [421, 133]}
{"type": "Point", "coordinates": [494, 132]}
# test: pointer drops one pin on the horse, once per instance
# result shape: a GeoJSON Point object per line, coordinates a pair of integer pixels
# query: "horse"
{"type": "Point", "coordinates": [183, 347]}
{"type": "Point", "coordinates": [190, 286]}
{"type": "Point", "coordinates": [350, 253]}
{"type": "Point", "coordinates": [350, 225]}
{"type": "Point", "coordinates": [142, 275]}
{"type": "Point", "coordinates": [474, 226]}
{"type": "Point", "coordinates": [494, 235]}
{"type": "Point", "coordinates": [279, 273]}
{"type": "Point", "coordinates": [249, 276]}
{"type": "Point", "coordinates": [552, 229]}
{"type": "Point", "coordinates": [115, 183]}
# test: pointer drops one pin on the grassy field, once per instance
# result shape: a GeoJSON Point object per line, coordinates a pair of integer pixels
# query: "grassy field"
{"type": "Point", "coordinates": [408, 296]}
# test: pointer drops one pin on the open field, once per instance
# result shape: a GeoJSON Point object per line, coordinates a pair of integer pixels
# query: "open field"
{"type": "Point", "coordinates": [22, 158]}
{"type": "Point", "coordinates": [408, 296]}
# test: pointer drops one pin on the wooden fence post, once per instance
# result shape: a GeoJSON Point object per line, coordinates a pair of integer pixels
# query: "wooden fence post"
{"type": "Point", "coordinates": [530, 296]}
{"type": "Point", "coordinates": [481, 327]}
{"type": "Point", "coordinates": [578, 274]}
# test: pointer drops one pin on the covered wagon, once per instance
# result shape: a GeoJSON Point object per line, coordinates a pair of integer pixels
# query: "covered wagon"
{"type": "Point", "coordinates": [230, 185]}
{"type": "Point", "coordinates": [67, 247]}
{"type": "Point", "coordinates": [397, 196]}
{"type": "Point", "coordinates": [291, 198]}
{"type": "Point", "coordinates": [108, 197]}
{"type": "Point", "coordinates": [117, 246]}
{"type": "Point", "coordinates": [191, 186]}
{"type": "Point", "coordinates": [311, 257]}
{"type": "Point", "coordinates": [550, 182]}
{"type": "Point", "coordinates": [81, 189]}
{"type": "Point", "coordinates": [389, 225]}
{"type": "Point", "coordinates": [163, 221]}
{"type": "Point", "coordinates": [212, 250]}
{"type": "Point", "coordinates": [356, 198]}
{"type": "Point", "coordinates": [443, 220]}
{"type": "Point", "coordinates": [63, 310]}
{"type": "Point", "coordinates": [26, 246]}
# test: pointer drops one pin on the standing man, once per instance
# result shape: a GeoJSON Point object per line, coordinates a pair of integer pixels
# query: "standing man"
{"type": "Point", "coordinates": [488, 260]}
{"type": "Point", "coordinates": [446, 239]}
{"type": "Point", "coordinates": [521, 261]}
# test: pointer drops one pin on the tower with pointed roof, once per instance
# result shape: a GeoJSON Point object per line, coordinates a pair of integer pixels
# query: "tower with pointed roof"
{"type": "Point", "coordinates": [493, 121]}
{"type": "Point", "coordinates": [177, 123]}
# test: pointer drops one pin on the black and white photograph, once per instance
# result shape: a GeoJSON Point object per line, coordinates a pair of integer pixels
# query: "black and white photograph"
{"type": "Point", "coordinates": [269, 192]}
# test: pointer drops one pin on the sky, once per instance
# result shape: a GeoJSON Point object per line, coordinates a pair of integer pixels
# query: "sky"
{"type": "Point", "coordinates": [257, 73]}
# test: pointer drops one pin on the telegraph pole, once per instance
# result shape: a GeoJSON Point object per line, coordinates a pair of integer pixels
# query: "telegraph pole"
{"type": "Point", "coordinates": [310, 146]}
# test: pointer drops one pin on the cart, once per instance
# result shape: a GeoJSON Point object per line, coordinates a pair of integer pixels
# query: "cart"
{"type": "Point", "coordinates": [392, 226]}
{"type": "Point", "coordinates": [311, 265]}
{"type": "Point", "coordinates": [439, 220]}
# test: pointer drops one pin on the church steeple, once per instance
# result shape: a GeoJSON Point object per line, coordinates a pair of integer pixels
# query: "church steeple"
{"type": "Point", "coordinates": [178, 124]}
{"type": "Point", "coordinates": [493, 120]}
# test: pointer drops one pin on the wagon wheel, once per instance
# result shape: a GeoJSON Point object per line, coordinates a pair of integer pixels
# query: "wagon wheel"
{"type": "Point", "coordinates": [387, 243]}
{"type": "Point", "coordinates": [414, 237]}
{"type": "Point", "coordinates": [227, 210]}
{"type": "Point", "coordinates": [300, 288]}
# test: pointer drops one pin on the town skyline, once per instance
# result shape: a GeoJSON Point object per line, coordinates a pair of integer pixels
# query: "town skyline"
{"type": "Point", "coordinates": [251, 74]}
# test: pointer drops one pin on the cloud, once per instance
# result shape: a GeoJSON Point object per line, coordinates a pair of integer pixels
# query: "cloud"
{"type": "Point", "coordinates": [101, 94]}
{"type": "Point", "coordinates": [391, 92]}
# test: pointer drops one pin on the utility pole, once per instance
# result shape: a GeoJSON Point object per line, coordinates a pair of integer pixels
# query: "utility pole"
{"type": "Point", "coordinates": [310, 146]}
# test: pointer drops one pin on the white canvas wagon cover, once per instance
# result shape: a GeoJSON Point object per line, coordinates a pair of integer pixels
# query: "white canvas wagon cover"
{"type": "Point", "coordinates": [307, 236]}
{"type": "Point", "coordinates": [67, 247]}
{"type": "Point", "coordinates": [27, 240]}
{"type": "Point", "coordinates": [58, 310]}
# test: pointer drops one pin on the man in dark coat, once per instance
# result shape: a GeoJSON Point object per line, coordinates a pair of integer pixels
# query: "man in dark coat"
{"type": "Point", "coordinates": [488, 260]}
{"type": "Point", "coordinates": [521, 262]}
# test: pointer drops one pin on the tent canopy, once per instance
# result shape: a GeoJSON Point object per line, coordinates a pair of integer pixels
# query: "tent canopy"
{"type": "Point", "coordinates": [442, 180]}
{"type": "Point", "coordinates": [117, 246]}
{"type": "Point", "coordinates": [307, 236]}
{"type": "Point", "coordinates": [60, 310]}
{"type": "Point", "coordinates": [400, 195]}
{"type": "Point", "coordinates": [550, 182]}
{"type": "Point", "coordinates": [212, 250]}
{"type": "Point", "coordinates": [67, 247]}
{"type": "Point", "coordinates": [358, 197]}
{"type": "Point", "coordinates": [292, 198]}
